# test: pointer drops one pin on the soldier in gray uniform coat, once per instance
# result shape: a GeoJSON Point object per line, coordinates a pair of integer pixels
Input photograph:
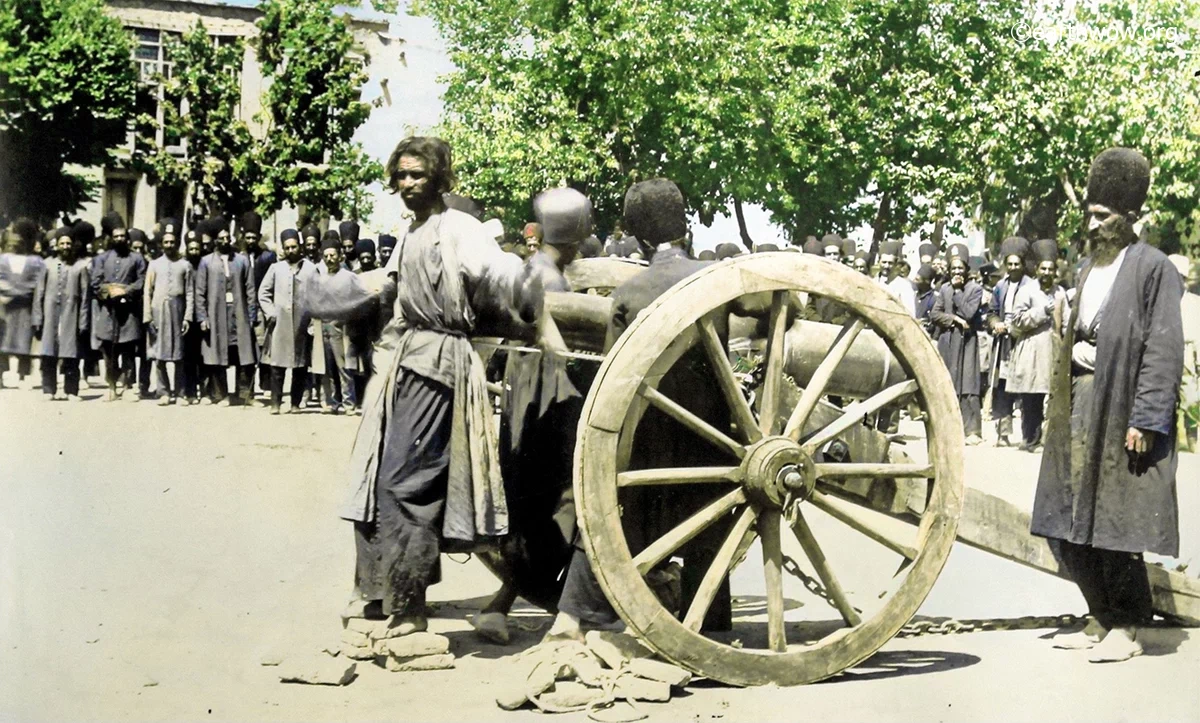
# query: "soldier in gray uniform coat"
{"type": "Point", "coordinates": [61, 315]}
{"type": "Point", "coordinates": [286, 344]}
{"type": "Point", "coordinates": [169, 310]}
{"type": "Point", "coordinates": [226, 307]}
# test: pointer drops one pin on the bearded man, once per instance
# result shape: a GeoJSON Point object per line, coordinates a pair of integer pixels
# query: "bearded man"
{"type": "Point", "coordinates": [1106, 491]}
{"type": "Point", "coordinates": [425, 475]}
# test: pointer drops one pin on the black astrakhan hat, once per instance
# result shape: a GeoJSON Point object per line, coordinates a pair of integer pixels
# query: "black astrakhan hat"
{"type": "Point", "coordinates": [831, 240]}
{"type": "Point", "coordinates": [250, 222]}
{"type": "Point", "coordinates": [1014, 246]}
{"type": "Point", "coordinates": [364, 246]}
{"type": "Point", "coordinates": [289, 233]}
{"type": "Point", "coordinates": [348, 231]}
{"type": "Point", "coordinates": [111, 222]}
{"type": "Point", "coordinates": [331, 240]}
{"type": "Point", "coordinates": [311, 231]}
{"type": "Point", "coordinates": [1045, 250]}
{"type": "Point", "coordinates": [1119, 178]}
{"type": "Point", "coordinates": [83, 232]}
{"type": "Point", "coordinates": [655, 212]}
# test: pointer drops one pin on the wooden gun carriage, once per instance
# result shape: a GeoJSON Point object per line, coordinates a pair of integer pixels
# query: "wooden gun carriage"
{"type": "Point", "coordinates": [802, 445]}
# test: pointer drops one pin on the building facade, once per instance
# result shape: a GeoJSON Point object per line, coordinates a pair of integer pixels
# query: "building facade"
{"type": "Point", "coordinates": [153, 23]}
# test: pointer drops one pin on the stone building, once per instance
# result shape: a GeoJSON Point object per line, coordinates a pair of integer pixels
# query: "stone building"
{"type": "Point", "coordinates": [153, 22]}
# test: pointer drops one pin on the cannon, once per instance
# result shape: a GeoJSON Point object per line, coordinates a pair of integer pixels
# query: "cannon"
{"type": "Point", "coordinates": [803, 455]}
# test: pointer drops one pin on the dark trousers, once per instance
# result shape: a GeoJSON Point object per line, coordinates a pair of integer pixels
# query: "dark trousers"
{"type": "Point", "coordinates": [191, 368]}
{"type": "Point", "coordinates": [243, 379]}
{"type": "Point", "coordinates": [1033, 411]}
{"type": "Point", "coordinates": [144, 366]}
{"type": "Point", "coordinates": [397, 555]}
{"type": "Point", "coordinates": [1002, 407]}
{"type": "Point", "coordinates": [70, 372]}
{"type": "Point", "coordinates": [968, 405]}
{"type": "Point", "coordinates": [91, 364]}
{"type": "Point", "coordinates": [296, 391]}
{"type": "Point", "coordinates": [119, 363]}
{"type": "Point", "coordinates": [1113, 583]}
{"type": "Point", "coordinates": [582, 596]}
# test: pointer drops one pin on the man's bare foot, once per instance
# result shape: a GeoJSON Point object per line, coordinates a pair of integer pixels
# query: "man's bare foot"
{"type": "Point", "coordinates": [1119, 645]}
{"type": "Point", "coordinates": [491, 626]}
{"type": "Point", "coordinates": [399, 626]}
{"type": "Point", "coordinates": [365, 609]}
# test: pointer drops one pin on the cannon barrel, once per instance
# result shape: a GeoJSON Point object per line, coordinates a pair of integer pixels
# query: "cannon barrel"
{"type": "Point", "coordinates": [868, 368]}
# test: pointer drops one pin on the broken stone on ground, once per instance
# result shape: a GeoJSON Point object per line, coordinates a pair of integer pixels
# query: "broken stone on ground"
{"type": "Point", "coordinates": [317, 669]}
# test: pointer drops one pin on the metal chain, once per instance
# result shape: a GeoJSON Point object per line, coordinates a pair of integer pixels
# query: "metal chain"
{"type": "Point", "coordinates": [951, 626]}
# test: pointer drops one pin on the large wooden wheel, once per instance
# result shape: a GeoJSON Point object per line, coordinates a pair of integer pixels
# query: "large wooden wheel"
{"type": "Point", "coordinates": [776, 474]}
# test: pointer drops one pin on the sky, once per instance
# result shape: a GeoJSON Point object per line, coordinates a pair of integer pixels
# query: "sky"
{"type": "Point", "coordinates": [412, 67]}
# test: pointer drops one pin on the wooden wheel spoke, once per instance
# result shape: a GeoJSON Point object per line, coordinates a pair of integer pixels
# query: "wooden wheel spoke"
{"type": "Point", "coordinates": [679, 476]}
{"type": "Point", "coordinates": [854, 413]}
{"type": "Point", "coordinates": [768, 530]}
{"type": "Point", "coordinates": [832, 587]}
{"type": "Point", "coordinates": [849, 514]}
{"type": "Point", "coordinates": [719, 568]}
{"type": "Point", "coordinates": [768, 417]}
{"type": "Point", "coordinates": [730, 388]}
{"type": "Point", "coordinates": [873, 469]}
{"type": "Point", "coordinates": [820, 378]}
{"type": "Point", "coordinates": [688, 419]}
{"type": "Point", "coordinates": [686, 530]}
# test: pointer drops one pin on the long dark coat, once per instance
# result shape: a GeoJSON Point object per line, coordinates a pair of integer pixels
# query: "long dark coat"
{"type": "Point", "coordinates": [1089, 490]}
{"type": "Point", "coordinates": [118, 319]}
{"type": "Point", "coordinates": [211, 286]}
{"type": "Point", "coordinates": [959, 348]}
{"type": "Point", "coordinates": [61, 307]}
{"type": "Point", "coordinates": [16, 303]}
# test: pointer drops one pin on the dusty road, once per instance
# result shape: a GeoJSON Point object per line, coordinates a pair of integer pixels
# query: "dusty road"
{"type": "Point", "coordinates": [151, 557]}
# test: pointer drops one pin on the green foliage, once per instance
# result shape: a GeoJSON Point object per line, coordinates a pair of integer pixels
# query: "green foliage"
{"type": "Point", "coordinates": [829, 113]}
{"type": "Point", "coordinates": [67, 91]}
{"type": "Point", "coordinates": [312, 108]}
{"type": "Point", "coordinates": [204, 90]}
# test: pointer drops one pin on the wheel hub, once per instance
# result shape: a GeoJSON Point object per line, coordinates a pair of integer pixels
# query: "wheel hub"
{"type": "Point", "coordinates": [776, 467]}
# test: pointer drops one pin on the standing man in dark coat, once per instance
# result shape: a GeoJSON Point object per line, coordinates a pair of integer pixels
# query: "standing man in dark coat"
{"type": "Point", "coordinates": [226, 307]}
{"type": "Point", "coordinates": [956, 317]}
{"type": "Point", "coordinates": [118, 276]}
{"type": "Point", "coordinates": [1106, 491]}
{"type": "Point", "coordinates": [655, 213]}
{"type": "Point", "coordinates": [194, 380]}
{"type": "Point", "coordinates": [261, 258]}
{"type": "Point", "coordinates": [60, 315]}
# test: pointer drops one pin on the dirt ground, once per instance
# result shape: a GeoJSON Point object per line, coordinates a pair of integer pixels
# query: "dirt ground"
{"type": "Point", "coordinates": [151, 558]}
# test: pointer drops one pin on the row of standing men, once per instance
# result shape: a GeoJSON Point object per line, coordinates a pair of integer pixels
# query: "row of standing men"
{"type": "Point", "coordinates": [196, 305]}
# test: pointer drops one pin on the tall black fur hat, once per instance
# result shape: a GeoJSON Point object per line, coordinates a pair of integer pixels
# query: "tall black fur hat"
{"type": "Point", "coordinates": [311, 231]}
{"type": "Point", "coordinates": [654, 212]}
{"type": "Point", "coordinates": [111, 221]}
{"type": "Point", "coordinates": [250, 222]}
{"type": "Point", "coordinates": [348, 230]}
{"type": "Point", "coordinates": [83, 232]}
{"type": "Point", "coordinates": [831, 239]}
{"type": "Point", "coordinates": [1045, 250]}
{"type": "Point", "coordinates": [331, 240]}
{"type": "Point", "coordinates": [1014, 246]}
{"type": "Point", "coordinates": [1119, 178]}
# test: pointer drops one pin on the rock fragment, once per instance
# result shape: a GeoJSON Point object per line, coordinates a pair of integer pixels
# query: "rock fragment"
{"type": "Point", "coordinates": [317, 670]}
{"type": "Point", "coordinates": [443, 661]}
{"type": "Point", "coordinates": [413, 645]}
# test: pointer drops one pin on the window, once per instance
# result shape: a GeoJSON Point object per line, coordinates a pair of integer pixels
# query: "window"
{"type": "Point", "coordinates": [150, 54]}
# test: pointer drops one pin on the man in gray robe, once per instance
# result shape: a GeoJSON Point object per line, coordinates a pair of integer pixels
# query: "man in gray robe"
{"type": "Point", "coordinates": [1001, 320]}
{"type": "Point", "coordinates": [118, 278]}
{"type": "Point", "coordinates": [425, 474]}
{"type": "Point", "coordinates": [286, 345]}
{"type": "Point", "coordinates": [60, 315]}
{"type": "Point", "coordinates": [226, 307]}
{"type": "Point", "coordinates": [1106, 491]}
{"type": "Point", "coordinates": [170, 306]}
{"type": "Point", "coordinates": [20, 270]}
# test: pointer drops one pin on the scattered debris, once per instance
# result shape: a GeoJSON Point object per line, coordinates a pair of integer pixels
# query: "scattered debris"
{"type": "Point", "coordinates": [317, 670]}
{"type": "Point", "coordinates": [568, 676]}
{"type": "Point", "coordinates": [270, 660]}
{"type": "Point", "coordinates": [413, 645]}
{"type": "Point", "coordinates": [442, 661]}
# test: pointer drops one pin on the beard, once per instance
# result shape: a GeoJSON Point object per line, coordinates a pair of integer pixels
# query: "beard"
{"type": "Point", "coordinates": [1108, 240]}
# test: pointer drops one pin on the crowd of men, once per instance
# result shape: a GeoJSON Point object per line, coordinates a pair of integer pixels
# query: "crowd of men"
{"type": "Point", "coordinates": [387, 334]}
{"type": "Point", "coordinates": [171, 314]}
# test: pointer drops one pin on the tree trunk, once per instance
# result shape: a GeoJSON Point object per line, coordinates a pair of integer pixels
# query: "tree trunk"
{"type": "Point", "coordinates": [878, 227]}
{"type": "Point", "coordinates": [741, 219]}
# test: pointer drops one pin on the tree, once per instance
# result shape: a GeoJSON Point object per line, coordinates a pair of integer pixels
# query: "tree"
{"type": "Point", "coordinates": [203, 94]}
{"type": "Point", "coordinates": [312, 108]}
{"type": "Point", "coordinates": [67, 92]}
